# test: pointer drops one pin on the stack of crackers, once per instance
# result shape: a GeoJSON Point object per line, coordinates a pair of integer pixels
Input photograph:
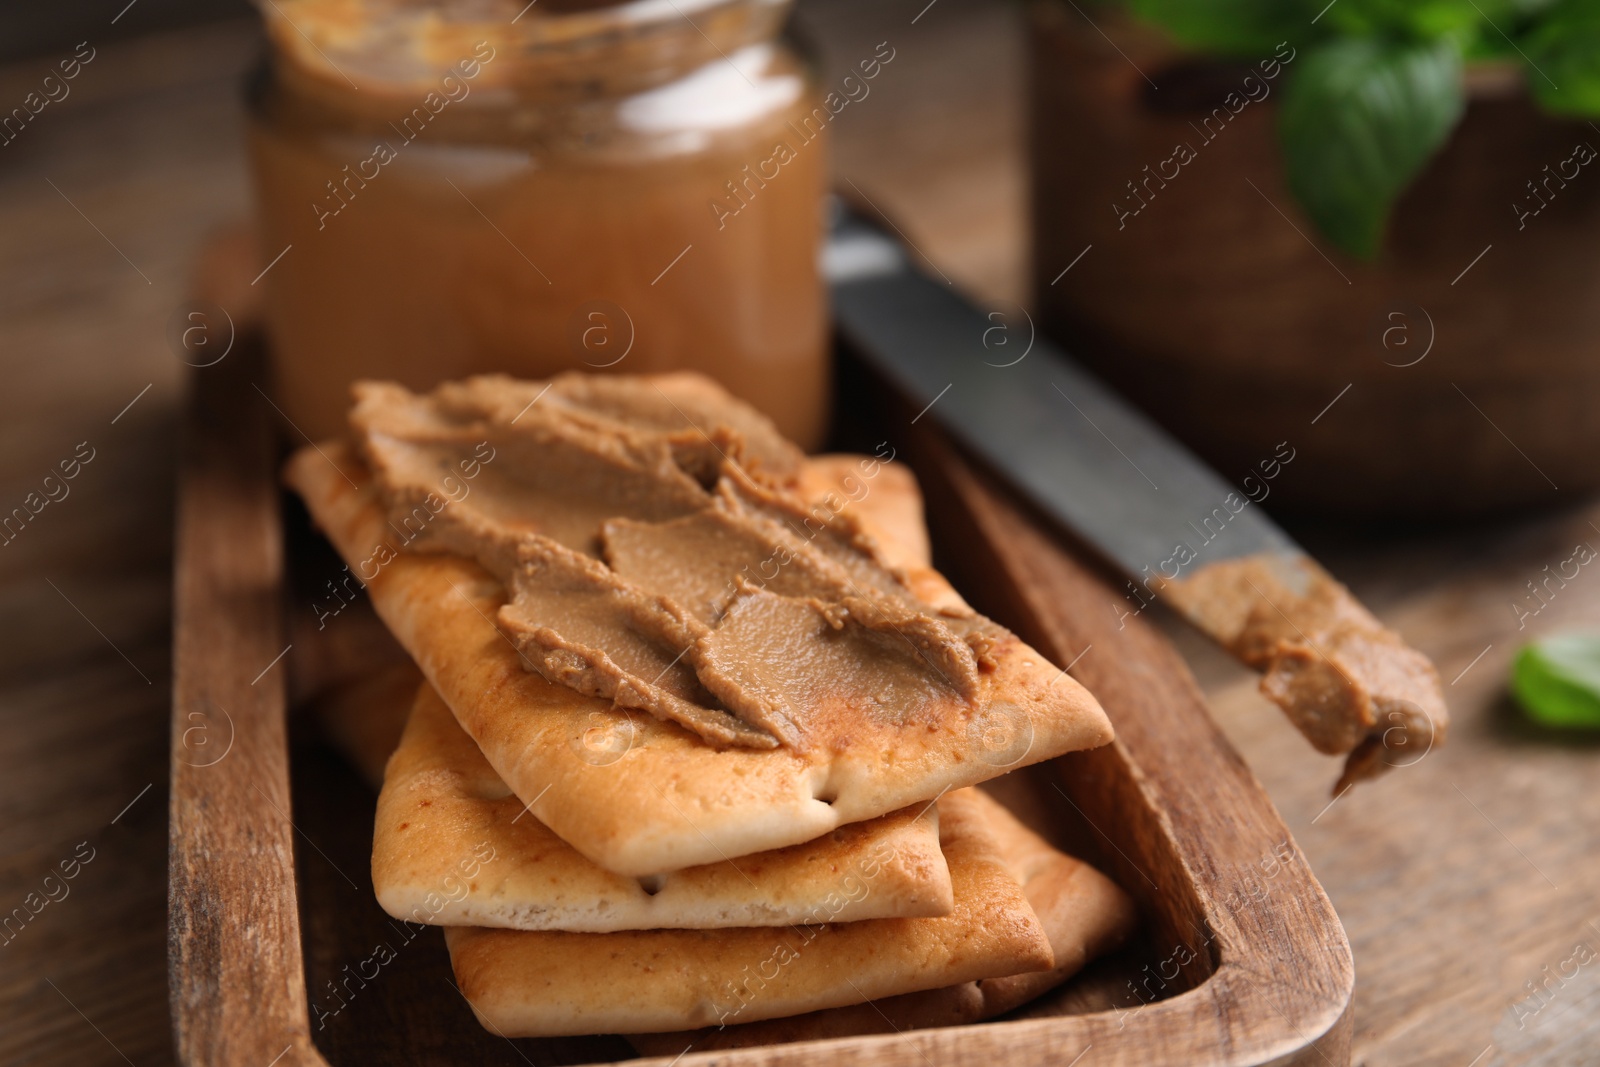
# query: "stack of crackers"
{"type": "Point", "coordinates": [605, 861]}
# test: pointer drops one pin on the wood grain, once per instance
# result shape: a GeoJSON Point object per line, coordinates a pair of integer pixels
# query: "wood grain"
{"type": "Point", "coordinates": [238, 986]}
{"type": "Point", "coordinates": [145, 147]}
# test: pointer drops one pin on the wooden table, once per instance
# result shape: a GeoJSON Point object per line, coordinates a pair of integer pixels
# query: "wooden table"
{"type": "Point", "coordinates": [1459, 879]}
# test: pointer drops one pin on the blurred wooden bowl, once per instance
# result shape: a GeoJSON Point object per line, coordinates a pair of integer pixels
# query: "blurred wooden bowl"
{"type": "Point", "coordinates": [1473, 382]}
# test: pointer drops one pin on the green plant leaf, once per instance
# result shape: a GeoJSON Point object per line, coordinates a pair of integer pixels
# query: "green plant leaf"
{"type": "Point", "coordinates": [1564, 50]}
{"type": "Point", "coordinates": [1249, 29]}
{"type": "Point", "coordinates": [1420, 19]}
{"type": "Point", "coordinates": [1464, 20]}
{"type": "Point", "coordinates": [1557, 679]}
{"type": "Point", "coordinates": [1360, 118]}
{"type": "Point", "coordinates": [1491, 46]}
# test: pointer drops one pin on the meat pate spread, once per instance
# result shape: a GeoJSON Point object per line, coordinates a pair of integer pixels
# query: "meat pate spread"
{"type": "Point", "coordinates": [1348, 683]}
{"type": "Point", "coordinates": [657, 553]}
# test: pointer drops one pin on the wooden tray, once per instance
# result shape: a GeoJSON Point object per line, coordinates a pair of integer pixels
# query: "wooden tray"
{"type": "Point", "coordinates": [274, 934]}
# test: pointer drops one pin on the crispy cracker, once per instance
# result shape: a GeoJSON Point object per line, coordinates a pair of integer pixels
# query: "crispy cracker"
{"type": "Point", "coordinates": [671, 800]}
{"type": "Point", "coordinates": [365, 715]}
{"type": "Point", "coordinates": [443, 811]}
{"type": "Point", "coordinates": [1083, 912]}
{"type": "Point", "coordinates": [525, 984]}
{"type": "Point", "coordinates": [882, 497]}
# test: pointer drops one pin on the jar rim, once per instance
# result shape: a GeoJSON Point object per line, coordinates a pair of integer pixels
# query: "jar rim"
{"type": "Point", "coordinates": [398, 45]}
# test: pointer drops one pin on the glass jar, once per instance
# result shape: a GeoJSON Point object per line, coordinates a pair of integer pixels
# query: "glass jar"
{"type": "Point", "coordinates": [448, 189]}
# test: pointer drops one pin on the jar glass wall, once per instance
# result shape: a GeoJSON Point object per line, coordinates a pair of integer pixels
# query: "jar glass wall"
{"type": "Point", "coordinates": [630, 187]}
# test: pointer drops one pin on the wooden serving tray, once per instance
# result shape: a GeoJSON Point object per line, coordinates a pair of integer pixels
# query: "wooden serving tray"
{"type": "Point", "coordinates": [280, 956]}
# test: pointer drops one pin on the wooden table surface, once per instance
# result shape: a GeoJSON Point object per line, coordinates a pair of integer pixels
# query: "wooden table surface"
{"type": "Point", "coordinates": [1464, 880]}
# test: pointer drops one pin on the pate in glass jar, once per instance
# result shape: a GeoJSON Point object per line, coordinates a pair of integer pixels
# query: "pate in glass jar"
{"type": "Point", "coordinates": [529, 188]}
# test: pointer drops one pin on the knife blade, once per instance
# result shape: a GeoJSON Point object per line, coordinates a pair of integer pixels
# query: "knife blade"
{"type": "Point", "coordinates": [1176, 529]}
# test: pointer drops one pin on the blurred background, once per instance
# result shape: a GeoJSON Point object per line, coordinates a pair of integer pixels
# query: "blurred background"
{"type": "Point", "coordinates": [31, 32]}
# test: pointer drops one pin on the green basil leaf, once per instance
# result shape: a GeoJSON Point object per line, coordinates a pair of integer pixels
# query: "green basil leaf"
{"type": "Point", "coordinates": [1504, 23]}
{"type": "Point", "coordinates": [1557, 679]}
{"type": "Point", "coordinates": [1248, 29]}
{"type": "Point", "coordinates": [1564, 50]}
{"type": "Point", "coordinates": [1492, 47]}
{"type": "Point", "coordinates": [1522, 10]}
{"type": "Point", "coordinates": [1360, 118]}
{"type": "Point", "coordinates": [1464, 20]}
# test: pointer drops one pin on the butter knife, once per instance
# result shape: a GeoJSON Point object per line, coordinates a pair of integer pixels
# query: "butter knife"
{"type": "Point", "coordinates": [1177, 530]}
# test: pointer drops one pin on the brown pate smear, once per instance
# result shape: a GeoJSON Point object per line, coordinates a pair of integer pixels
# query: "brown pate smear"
{"type": "Point", "coordinates": [657, 553]}
{"type": "Point", "coordinates": [1348, 683]}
